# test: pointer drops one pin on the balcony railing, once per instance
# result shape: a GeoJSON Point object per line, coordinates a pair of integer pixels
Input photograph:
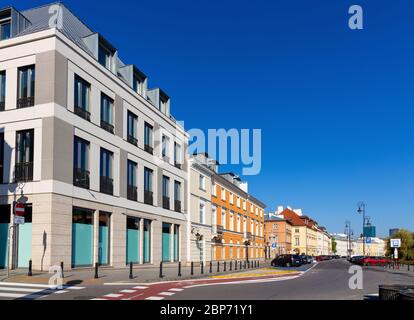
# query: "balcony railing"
{"type": "Point", "coordinates": [177, 206]}
{"type": "Point", "coordinates": [149, 149]}
{"type": "Point", "coordinates": [220, 229]}
{"type": "Point", "coordinates": [132, 193]}
{"type": "Point", "coordinates": [166, 203]}
{"type": "Point", "coordinates": [81, 112]}
{"type": "Point", "coordinates": [2, 105]}
{"type": "Point", "coordinates": [107, 126]}
{"type": "Point", "coordinates": [25, 102]}
{"type": "Point", "coordinates": [148, 198]}
{"type": "Point", "coordinates": [81, 178]}
{"type": "Point", "coordinates": [107, 185]}
{"type": "Point", "coordinates": [132, 140]}
{"type": "Point", "coordinates": [23, 172]}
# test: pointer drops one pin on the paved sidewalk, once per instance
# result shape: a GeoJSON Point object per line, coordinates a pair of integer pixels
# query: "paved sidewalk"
{"type": "Point", "coordinates": [141, 274]}
{"type": "Point", "coordinates": [402, 270]}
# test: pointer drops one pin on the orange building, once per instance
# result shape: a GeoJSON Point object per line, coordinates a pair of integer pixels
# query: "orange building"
{"type": "Point", "coordinates": [278, 231]}
{"type": "Point", "coordinates": [238, 220]}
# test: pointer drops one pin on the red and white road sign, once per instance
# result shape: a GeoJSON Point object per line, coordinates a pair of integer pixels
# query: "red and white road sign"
{"type": "Point", "coordinates": [19, 210]}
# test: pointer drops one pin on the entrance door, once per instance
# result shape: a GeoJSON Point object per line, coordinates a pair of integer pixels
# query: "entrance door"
{"type": "Point", "coordinates": [4, 230]}
{"type": "Point", "coordinates": [103, 244]}
{"type": "Point", "coordinates": [82, 238]}
{"type": "Point", "coordinates": [24, 242]}
{"type": "Point", "coordinates": [132, 243]}
{"type": "Point", "coordinates": [166, 242]}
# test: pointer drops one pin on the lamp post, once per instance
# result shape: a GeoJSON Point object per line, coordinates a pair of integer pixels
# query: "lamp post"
{"type": "Point", "coordinates": [361, 210]}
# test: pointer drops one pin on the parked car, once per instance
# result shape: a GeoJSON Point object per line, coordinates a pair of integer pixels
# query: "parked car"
{"type": "Point", "coordinates": [287, 260]}
{"type": "Point", "coordinates": [374, 261]}
{"type": "Point", "coordinates": [356, 259]}
{"type": "Point", "coordinates": [310, 259]}
{"type": "Point", "coordinates": [304, 259]}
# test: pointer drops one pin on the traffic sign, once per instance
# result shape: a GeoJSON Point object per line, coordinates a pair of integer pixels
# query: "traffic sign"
{"type": "Point", "coordinates": [19, 209]}
{"type": "Point", "coordinates": [395, 243]}
{"type": "Point", "coordinates": [18, 220]}
{"type": "Point", "coordinates": [274, 245]}
{"type": "Point", "coordinates": [368, 240]}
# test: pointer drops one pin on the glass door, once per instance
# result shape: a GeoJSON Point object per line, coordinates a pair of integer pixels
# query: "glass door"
{"type": "Point", "coordinates": [82, 238]}
{"type": "Point", "coordinates": [103, 244]}
{"type": "Point", "coordinates": [4, 232]}
{"type": "Point", "coordinates": [132, 243]}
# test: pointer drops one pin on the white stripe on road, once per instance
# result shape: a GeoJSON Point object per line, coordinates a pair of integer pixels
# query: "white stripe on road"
{"type": "Point", "coordinates": [128, 291]}
{"type": "Point", "coordinates": [35, 285]}
{"type": "Point", "coordinates": [168, 294]}
{"type": "Point", "coordinates": [61, 291]}
{"type": "Point", "coordinates": [155, 298]}
{"type": "Point", "coordinates": [140, 287]}
{"type": "Point", "coordinates": [113, 295]}
{"type": "Point", "coordinates": [19, 289]}
{"type": "Point", "coordinates": [11, 295]}
{"type": "Point", "coordinates": [176, 290]}
{"type": "Point", "coordinates": [99, 299]}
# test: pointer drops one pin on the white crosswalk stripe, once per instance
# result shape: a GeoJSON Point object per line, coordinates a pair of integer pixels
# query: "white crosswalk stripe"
{"type": "Point", "coordinates": [30, 291]}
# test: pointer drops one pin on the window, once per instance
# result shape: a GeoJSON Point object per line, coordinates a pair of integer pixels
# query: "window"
{"type": "Point", "coordinates": [165, 192]}
{"type": "Point", "coordinates": [24, 156]}
{"type": "Point", "coordinates": [138, 84]}
{"type": "Point", "coordinates": [223, 219]}
{"type": "Point", "coordinates": [202, 182]}
{"type": "Point", "coordinates": [213, 189]}
{"type": "Point", "coordinates": [5, 30]}
{"type": "Point", "coordinates": [106, 113]}
{"type": "Point", "coordinates": [238, 202]}
{"type": "Point", "coordinates": [81, 96]}
{"type": "Point", "coordinates": [132, 121]}
{"type": "Point", "coordinates": [238, 223]}
{"type": "Point", "coordinates": [132, 181]}
{"type": "Point", "coordinates": [231, 198]}
{"type": "Point", "coordinates": [106, 172]}
{"type": "Point", "coordinates": [165, 148]}
{"type": "Point", "coordinates": [105, 57]}
{"type": "Point", "coordinates": [2, 90]}
{"type": "Point", "coordinates": [231, 227]}
{"type": "Point", "coordinates": [177, 196]}
{"type": "Point", "coordinates": [147, 241]}
{"type": "Point", "coordinates": [148, 133]}
{"type": "Point", "coordinates": [81, 163]}
{"type": "Point", "coordinates": [177, 155]}
{"type": "Point", "coordinates": [223, 194]}
{"type": "Point", "coordinates": [163, 106]}
{"type": "Point", "coordinates": [26, 87]}
{"type": "Point", "coordinates": [1, 156]}
{"type": "Point", "coordinates": [202, 212]}
{"type": "Point", "coordinates": [244, 205]}
{"type": "Point", "coordinates": [148, 196]}
{"type": "Point", "coordinates": [297, 242]}
{"type": "Point", "coordinates": [297, 230]}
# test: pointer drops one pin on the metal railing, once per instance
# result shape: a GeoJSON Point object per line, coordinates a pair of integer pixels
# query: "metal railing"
{"type": "Point", "coordinates": [166, 203]}
{"type": "Point", "coordinates": [148, 198]}
{"type": "Point", "coordinates": [23, 172]}
{"type": "Point", "coordinates": [81, 112]}
{"type": "Point", "coordinates": [132, 193]}
{"type": "Point", "coordinates": [132, 140]}
{"type": "Point", "coordinates": [81, 178]}
{"type": "Point", "coordinates": [177, 206]}
{"type": "Point", "coordinates": [25, 102]}
{"type": "Point", "coordinates": [107, 185]}
{"type": "Point", "coordinates": [107, 126]}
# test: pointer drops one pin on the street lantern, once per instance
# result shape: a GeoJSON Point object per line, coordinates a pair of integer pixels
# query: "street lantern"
{"type": "Point", "coordinates": [361, 210]}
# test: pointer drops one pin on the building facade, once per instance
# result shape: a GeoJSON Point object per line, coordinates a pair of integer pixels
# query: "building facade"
{"type": "Point", "coordinates": [238, 220]}
{"type": "Point", "coordinates": [278, 236]}
{"type": "Point", "coordinates": [95, 156]}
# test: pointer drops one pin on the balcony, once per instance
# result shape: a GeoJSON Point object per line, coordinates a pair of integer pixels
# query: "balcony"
{"type": "Point", "coordinates": [81, 178]}
{"type": "Point", "coordinates": [25, 102]}
{"type": "Point", "coordinates": [23, 172]}
{"type": "Point", "coordinates": [177, 206]}
{"type": "Point", "coordinates": [149, 149]}
{"type": "Point", "coordinates": [148, 198]}
{"type": "Point", "coordinates": [132, 193]}
{"type": "Point", "coordinates": [83, 113]}
{"type": "Point", "coordinates": [220, 229]}
{"type": "Point", "coordinates": [107, 185]}
{"type": "Point", "coordinates": [132, 140]}
{"type": "Point", "coordinates": [2, 105]}
{"type": "Point", "coordinates": [107, 126]}
{"type": "Point", "coordinates": [166, 203]}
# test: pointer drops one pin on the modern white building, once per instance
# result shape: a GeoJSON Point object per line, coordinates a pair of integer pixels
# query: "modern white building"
{"type": "Point", "coordinates": [343, 244]}
{"type": "Point", "coordinates": [94, 154]}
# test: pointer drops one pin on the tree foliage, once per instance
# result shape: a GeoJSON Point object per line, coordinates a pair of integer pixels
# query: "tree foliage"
{"type": "Point", "coordinates": [406, 252]}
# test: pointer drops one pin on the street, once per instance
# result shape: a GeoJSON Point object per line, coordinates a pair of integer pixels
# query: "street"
{"type": "Point", "coordinates": [326, 280]}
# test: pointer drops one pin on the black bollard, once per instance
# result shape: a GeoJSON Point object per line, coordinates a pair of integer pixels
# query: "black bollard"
{"type": "Point", "coordinates": [258, 264]}
{"type": "Point", "coordinates": [231, 265]}
{"type": "Point", "coordinates": [202, 267]}
{"type": "Point", "coordinates": [96, 270]}
{"type": "Point", "coordinates": [30, 269]}
{"type": "Point", "coordinates": [131, 276]}
{"type": "Point", "coordinates": [235, 266]}
{"type": "Point", "coordinates": [225, 266]}
{"type": "Point", "coordinates": [179, 269]}
{"type": "Point", "coordinates": [211, 266]}
{"type": "Point", "coordinates": [161, 275]}
{"type": "Point", "coordinates": [61, 269]}
{"type": "Point", "coordinates": [248, 264]}
{"type": "Point", "coordinates": [240, 264]}
{"type": "Point", "coordinates": [245, 264]}
{"type": "Point", "coordinates": [192, 268]}
{"type": "Point", "coordinates": [218, 266]}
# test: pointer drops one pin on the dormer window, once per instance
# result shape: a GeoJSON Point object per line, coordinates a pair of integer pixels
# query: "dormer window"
{"type": "Point", "coordinates": [5, 30]}
{"type": "Point", "coordinates": [163, 105]}
{"type": "Point", "coordinates": [105, 57]}
{"type": "Point", "coordinates": [138, 85]}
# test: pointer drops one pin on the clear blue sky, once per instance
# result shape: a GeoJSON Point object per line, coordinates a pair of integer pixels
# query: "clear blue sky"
{"type": "Point", "coordinates": [335, 105]}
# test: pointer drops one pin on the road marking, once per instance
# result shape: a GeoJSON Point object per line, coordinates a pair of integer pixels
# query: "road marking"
{"type": "Point", "coordinates": [99, 299]}
{"type": "Point", "coordinates": [19, 289]}
{"type": "Point", "coordinates": [168, 294]}
{"type": "Point", "coordinates": [140, 287]}
{"type": "Point", "coordinates": [35, 285]}
{"type": "Point", "coordinates": [113, 295]}
{"type": "Point", "coordinates": [11, 295]}
{"type": "Point", "coordinates": [128, 291]}
{"type": "Point", "coordinates": [176, 290]}
{"type": "Point", "coordinates": [61, 291]}
{"type": "Point", "coordinates": [155, 298]}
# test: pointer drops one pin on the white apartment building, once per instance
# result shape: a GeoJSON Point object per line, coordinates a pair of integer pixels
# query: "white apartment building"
{"type": "Point", "coordinates": [94, 154]}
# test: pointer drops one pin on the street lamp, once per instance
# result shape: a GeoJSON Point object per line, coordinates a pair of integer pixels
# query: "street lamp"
{"type": "Point", "coordinates": [361, 210]}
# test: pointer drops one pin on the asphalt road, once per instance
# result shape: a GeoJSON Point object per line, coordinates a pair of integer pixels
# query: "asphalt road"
{"type": "Point", "coordinates": [326, 281]}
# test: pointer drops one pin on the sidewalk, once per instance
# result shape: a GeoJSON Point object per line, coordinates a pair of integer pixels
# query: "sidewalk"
{"type": "Point", "coordinates": [402, 270]}
{"type": "Point", "coordinates": [141, 274]}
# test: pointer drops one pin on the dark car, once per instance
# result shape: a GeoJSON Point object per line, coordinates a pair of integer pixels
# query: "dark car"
{"type": "Point", "coordinates": [356, 259]}
{"type": "Point", "coordinates": [287, 260]}
{"type": "Point", "coordinates": [304, 259]}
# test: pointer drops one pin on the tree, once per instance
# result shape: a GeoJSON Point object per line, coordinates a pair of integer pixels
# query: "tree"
{"type": "Point", "coordinates": [333, 245]}
{"type": "Point", "coordinates": [406, 252]}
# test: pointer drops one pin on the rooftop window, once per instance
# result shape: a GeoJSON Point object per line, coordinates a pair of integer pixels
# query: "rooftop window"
{"type": "Point", "coordinates": [5, 30]}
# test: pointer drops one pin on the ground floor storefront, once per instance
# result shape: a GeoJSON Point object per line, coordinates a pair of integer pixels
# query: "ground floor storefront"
{"type": "Point", "coordinates": [81, 233]}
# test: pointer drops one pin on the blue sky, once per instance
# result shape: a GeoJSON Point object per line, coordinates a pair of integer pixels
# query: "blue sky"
{"type": "Point", "coordinates": [335, 105]}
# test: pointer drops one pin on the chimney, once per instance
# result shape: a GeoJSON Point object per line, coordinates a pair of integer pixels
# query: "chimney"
{"type": "Point", "coordinates": [298, 212]}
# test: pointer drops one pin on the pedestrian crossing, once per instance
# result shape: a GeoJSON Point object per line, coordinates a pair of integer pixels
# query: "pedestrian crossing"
{"type": "Point", "coordinates": [30, 291]}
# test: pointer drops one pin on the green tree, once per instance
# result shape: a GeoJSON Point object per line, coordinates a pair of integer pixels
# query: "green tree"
{"type": "Point", "coordinates": [406, 252]}
{"type": "Point", "coordinates": [333, 245]}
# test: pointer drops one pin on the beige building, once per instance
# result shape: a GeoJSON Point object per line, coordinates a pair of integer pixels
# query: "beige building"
{"type": "Point", "coordinates": [375, 247]}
